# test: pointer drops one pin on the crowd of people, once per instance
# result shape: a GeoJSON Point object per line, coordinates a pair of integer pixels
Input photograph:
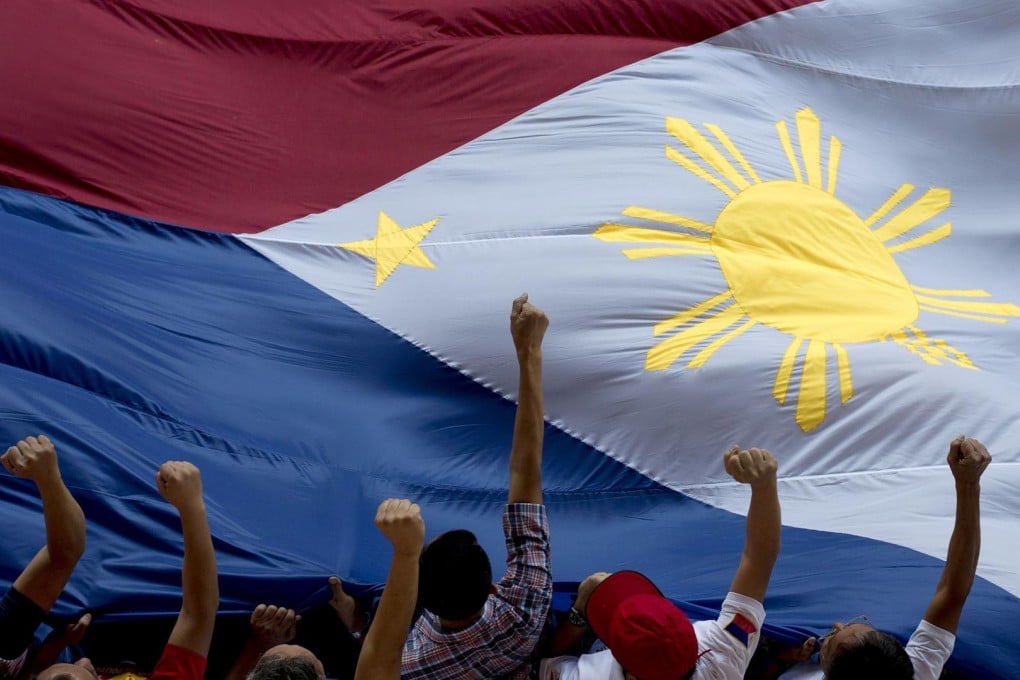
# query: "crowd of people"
{"type": "Point", "coordinates": [441, 614]}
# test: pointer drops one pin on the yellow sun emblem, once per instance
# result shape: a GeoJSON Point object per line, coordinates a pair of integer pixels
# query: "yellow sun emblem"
{"type": "Point", "coordinates": [798, 259]}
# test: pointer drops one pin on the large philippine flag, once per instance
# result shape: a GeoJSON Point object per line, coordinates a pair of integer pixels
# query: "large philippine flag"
{"type": "Point", "coordinates": [281, 242]}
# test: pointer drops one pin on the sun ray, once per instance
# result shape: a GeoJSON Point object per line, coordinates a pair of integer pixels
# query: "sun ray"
{"type": "Point", "coordinates": [939, 349]}
{"type": "Point", "coordinates": [846, 384]}
{"type": "Point", "coordinates": [933, 202]}
{"type": "Point", "coordinates": [760, 239]}
{"type": "Point", "coordinates": [835, 149]}
{"type": "Point", "coordinates": [901, 339]}
{"type": "Point", "coordinates": [784, 138]}
{"type": "Point", "coordinates": [646, 253]}
{"type": "Point", "coordinates": [961, 358]}
{"type": "Point", "coordinates": [666, 218]}
{"type": "Point", "coordinates": [697, 310]}
{"type": "Point", "coordinates": [961, 315]}
{"type": "Point", "coordinates": [809, 133]}
{"type": "Point", "coordinates": [733, 151]}
{"type": "Point", "coordinates": [698, 171]}
{"type": "Point", "coordinates": [624, 233]}
{"type": "Point", "coordinates": [952, 292]}
{"type": "Point", "coordinates": [696, 142]}
{"type": "Point", "coordinates": [925, 239]}
{"type": "Point", "coordinates": [889, 204]}
{"type": "Point", "coordinates": [782, 385]}
{"type": "Point", "coordinates": [989, 308]}
{"type": "Point", "coordinates": [704, 355]}
{"type": "Point", "coordinates": [811, 396]}
{"type": "Point", "coordinates": [662, 355]}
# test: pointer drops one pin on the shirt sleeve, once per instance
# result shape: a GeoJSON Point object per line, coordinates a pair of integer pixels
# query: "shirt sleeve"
{"type": "Point", "coordinates": [179, 663]}
{"type": "Point", "coordinates": [730, 641]}
{"type": "Point", "coordinates": [929, 648]}
{"type": "Point", "coordinates": [527, 550]}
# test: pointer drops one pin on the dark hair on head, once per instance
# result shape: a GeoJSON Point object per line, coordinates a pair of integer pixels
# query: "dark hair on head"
{"type": "Point", "coordinates": [62, 676]}
{"type": "Point", "coordinates": [455, 575]}
{"type": "Point", "coordinates": [277, 667]}
{"type": "Point", "coordinates": [876, 655]}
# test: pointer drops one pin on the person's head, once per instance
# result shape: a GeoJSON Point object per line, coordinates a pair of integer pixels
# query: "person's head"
{"type": "Point", "coordinates": [858, 650]}
{"type": "Point", "coordinates": [456, 576]}
{"type": "Point", "coordinates": [647, 634]}
{"type": "Point", "coordinates": [79, 670]}
{"type": "Point", "coordinates": [288, 662]}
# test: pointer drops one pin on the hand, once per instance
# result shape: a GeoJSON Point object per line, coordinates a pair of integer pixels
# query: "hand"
{"type": "Point", "coordinates": [584, 591]}
{"type": "Point", "coordinates": [400, 521]}
{"type": "Point", "coordinates": [180, 483]}
{"type": "Point", "coordinates": [800, 654]}
{"type": "Point", "coordinates": [32, 458]}
{"type": "Point", "coordinates": [967, 459]}
{"type": "Point", "coordinates": [527, 325]}
{"type": "Point", "coordinates": [272, 625]}
{"type": "Point", "coordinates": [753, 466]}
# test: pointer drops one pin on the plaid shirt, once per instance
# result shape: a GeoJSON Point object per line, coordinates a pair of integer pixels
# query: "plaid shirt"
{"type": "Point", "coordinates": [499, 644]}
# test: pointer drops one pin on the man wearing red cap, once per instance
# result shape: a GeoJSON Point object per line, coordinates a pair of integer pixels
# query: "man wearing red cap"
{"type": "Point", "coordinates": [649, 638]}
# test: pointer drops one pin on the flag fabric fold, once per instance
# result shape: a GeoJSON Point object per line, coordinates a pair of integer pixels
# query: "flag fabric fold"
{"type": "Point", "coordinates": [796, 234]}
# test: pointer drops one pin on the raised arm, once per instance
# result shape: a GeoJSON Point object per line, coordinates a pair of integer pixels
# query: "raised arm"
{"type": "Point", "coordinates": [527, 327]}
{"type": "Point", "coordinates": [400, 521]}
{"type": "Point", "coordinates": [967, 459]}
{"type": "Point", "coordinates": [180, 483]}
{"type": "Point", "coordinates": [44, 578]}
{"type": "Point", "coordinates": [757, 467]}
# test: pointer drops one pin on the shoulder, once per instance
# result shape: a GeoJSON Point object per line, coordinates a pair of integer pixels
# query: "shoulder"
{"type": "Point", "coordinates": [729, 641]}
{"type": "Point", "coordinates": [929, 648]}
{"type": "Point", "coordinates": [179, 663]}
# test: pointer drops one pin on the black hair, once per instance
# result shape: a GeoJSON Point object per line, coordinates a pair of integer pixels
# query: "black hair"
{"type": "Point", "coordinates": [277, 667]}
{"type": "Point", "coordinates": [875, 655]}
{"type": "Point", "coordinates": [455, 575]}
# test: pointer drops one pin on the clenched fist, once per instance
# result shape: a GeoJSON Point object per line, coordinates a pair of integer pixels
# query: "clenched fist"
{"type": "Point", "coordinates": [753, 466]}
{"type": "Point", "coordinates": [399, 520]}
{"type": "Point", "coordinates": [527, 325]}
{"type": "Point", "coordinates": [967, 459]}
{"type": "Point", "coordinates": [32, 458]}
{"type": "Point", "coordinates": [180, 483]}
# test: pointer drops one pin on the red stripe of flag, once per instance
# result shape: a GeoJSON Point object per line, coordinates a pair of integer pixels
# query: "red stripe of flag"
{"type": "Point", "coordinates": [238, 116]}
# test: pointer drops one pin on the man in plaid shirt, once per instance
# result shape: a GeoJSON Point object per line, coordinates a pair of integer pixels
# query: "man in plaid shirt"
{"type": "Point", "coordinates": [471, 628]}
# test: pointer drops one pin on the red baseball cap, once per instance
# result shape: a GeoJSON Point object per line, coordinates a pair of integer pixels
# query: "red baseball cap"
{"type": "Point", "coordinates": [647, 634]}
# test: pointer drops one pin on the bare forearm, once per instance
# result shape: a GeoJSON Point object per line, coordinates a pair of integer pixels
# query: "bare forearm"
{"type": "Point", "coordinates": [529, 424]}
{"type": "Point", "coordinates": [764, 524]}
{"type": "Point", "coordinates": [200, 582]}
{"type": "Point", "coordinates": [384, 644]}
{"type": "Point", "coordinates": [961, 560]}
{"type": "Point", "coordinates": [65, 523]}
{"type": "Point", "coordinates": [761, 542]}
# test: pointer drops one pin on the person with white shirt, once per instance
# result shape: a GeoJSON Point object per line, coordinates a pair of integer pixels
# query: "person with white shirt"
{"type": "Point", "coordinates": [649, 638]}
{"type": "Point", "coordinates": [858, 650]}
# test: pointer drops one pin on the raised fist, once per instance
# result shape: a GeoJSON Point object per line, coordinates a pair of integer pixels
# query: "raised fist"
{"type": "Point", "coordinates": [32, 458]}
{"type": "Point", "coordinates": [180, 483]}
{"type": "Point", "coordinates": [527, 325]}
{"type": "Point", "coordinates": [968, 459]}
{"type": "Point", "coordinates": [753, 466]}
{"type": "Point", "coordinates": [399, 520]}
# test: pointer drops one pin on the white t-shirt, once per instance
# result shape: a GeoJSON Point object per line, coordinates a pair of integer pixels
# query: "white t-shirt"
{"type": "Point", "coordinates": [729, 640]}
{"type": "Point", "coordinates": [928, 648]}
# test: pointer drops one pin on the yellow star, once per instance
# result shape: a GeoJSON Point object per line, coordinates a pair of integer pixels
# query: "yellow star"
{"type": "Point", "coordinates": [394, 246]}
